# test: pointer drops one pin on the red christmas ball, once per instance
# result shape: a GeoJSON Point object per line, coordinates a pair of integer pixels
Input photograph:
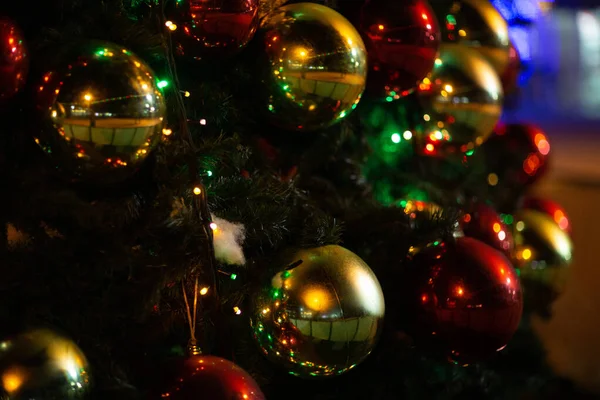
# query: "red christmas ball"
{"type": "Point", "coordinates": [14, 62]}
{"type": "Point", "coordinates": [511, 74]}
{"type": "Point", "coordinates": [482, 222]}
{"type": "Point", "coordinates": [516, 155]}
{"type": "Point", "coordinates": [211, 28]}
{"type": "Point", "coordinates": [210, 377]}
{"type": "Point", "coordinates": [549, 207]}
{"type": "Point", "coordinates": [462, 300]}
{"type": "Point", "coordinates": [402, 39]}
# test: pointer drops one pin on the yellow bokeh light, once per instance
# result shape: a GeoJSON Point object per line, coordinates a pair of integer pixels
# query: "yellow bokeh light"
{"type": "Point", "coordinates": [197, 191]}
{"type": "Point", "coordinates": [526, 254]}
{"type": "Point", "coordinates": [87, 97]}
{"type": "Point", "coordinates": [492, 179]}
{"type": "Point", "coordinates": [12, 380]}
{"type": "Point", "coordinates": [203, 291]}
{"type": "Point", "coordinates": [317, 299]}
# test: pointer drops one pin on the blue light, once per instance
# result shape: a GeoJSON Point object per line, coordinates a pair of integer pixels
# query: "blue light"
{"type": "Point", "coordinates": [520, 38]}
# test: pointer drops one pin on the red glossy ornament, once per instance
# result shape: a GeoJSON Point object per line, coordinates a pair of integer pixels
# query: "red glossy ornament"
{"type": "Point", "coordinates": [211, 28]}
{"type": "Point", "coordinates": [463, 299]}
{"type": "Point", "coordinates": [215, 378]}
{"type": "Point", "coordinates": [549, 207]}
{"type": "Point", "coordinates": [402, 39]}
{"type": "Point", "coordinates": [511, 74]}
{"type": "Point", "coordinates": [516, 155]}
{"type": "Point", "coordinates": [14, 62]}
{"type": "Point", "coordinates": [482, 222]}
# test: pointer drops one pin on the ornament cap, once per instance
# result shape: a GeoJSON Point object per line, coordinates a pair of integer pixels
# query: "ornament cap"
{"type": "Point", "coordinates": [193, 349]}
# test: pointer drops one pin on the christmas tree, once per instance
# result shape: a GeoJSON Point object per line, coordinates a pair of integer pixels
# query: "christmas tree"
{"type": "Point", "coordinates": [250, 199]}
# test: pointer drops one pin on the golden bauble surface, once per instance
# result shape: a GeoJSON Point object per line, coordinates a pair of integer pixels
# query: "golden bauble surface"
{"type": "Point", "coordinates": [322, 315]}
{"type": "Point", "coordinates": [103, 113]}
{"type": "Point", "coordinates": [478, 25]}
{"type": "Point", "coordinates": [542, 249]}
{"type": "Point", "coordinates": [461, 101]}
{"type": "Point", "coordinates": [314, 67]}
{"type": "Point", "coordinates": [41, 364]}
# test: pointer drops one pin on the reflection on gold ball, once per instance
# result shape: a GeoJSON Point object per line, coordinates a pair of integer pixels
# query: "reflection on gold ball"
{"type": "Point", "coordinates": [103, 112]}
{"type": "Point", "coordinates": [14, 60]}
{"type": "Point", "coordinates": [461, 100]}
{"type": "Point", "coordinates": [543, 249]}
{"type": "Point", "coordinates": [314, 70]}
{"type": "Point", "coordinates": [478, 25]}
{"type": "Point", "coordinates": [41, 364]}
{"type": "Point", "coordinates": [321, 316]}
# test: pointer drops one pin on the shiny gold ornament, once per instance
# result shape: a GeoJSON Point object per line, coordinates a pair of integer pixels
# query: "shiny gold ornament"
{"type": "Point", "coordinates": [40, 364]}
{"type": "Point", "coordinates": [314, 69]}
{"type": "Point", "coordinates": [461, 102]}
{"type": "Point", "coordinates": [103, 113]}
{"type": "Point", "coordinates": [476, 24]}
{"type": "Point", "coordinates": [322, 315]}
{"type": "Point", "coordinates": [543, 249]}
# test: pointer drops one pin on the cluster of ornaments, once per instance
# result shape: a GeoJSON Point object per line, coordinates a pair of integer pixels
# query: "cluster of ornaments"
{"type": "Point", "coordinates": [103, 113]}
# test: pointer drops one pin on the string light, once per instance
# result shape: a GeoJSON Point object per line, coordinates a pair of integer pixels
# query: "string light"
{"type": "Point", "coordinates": [167, 132]}
{"type": "Point", "coordinates": [203, 291]}
{"type": "Point", "coordinates": [187, 94]}
{"type": "Point", "coordinates": [197, 191]}
{"type": "Point", "coordinates": [171, 25]}
{"type": "Point", "coordinates": [202, 121]}
{"type": "Point", "coordinates": [213, 226]}
{"type": "Point", "coordinates": [233, 277]}
{"type": "Point", "coordinates": [237, 310]}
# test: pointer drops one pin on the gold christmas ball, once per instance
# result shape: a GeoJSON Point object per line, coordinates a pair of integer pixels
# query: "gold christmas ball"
{"type": "Point", "coordinates": [461, 102]}
{"type": "Point", "coordinates": [103, 113]}
{"type": "Point", "coordinates": [320, 316]}
{"type": "Point", "coordinates": [476, 24]}
{"type": "Point", "coordinates": [314, 67]}
{"type": "Point", "coordinates": [543, 249]}
{"type": "Point", "coordinates": [41, 364]}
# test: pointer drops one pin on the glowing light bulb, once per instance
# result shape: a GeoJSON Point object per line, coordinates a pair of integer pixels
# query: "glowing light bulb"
{"type": "Point", "coordinates": [213, 226]}
{"type": "Point", "coordinates": [203, 291]}
{"type": "Point", "coordinates": [197, 191]}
